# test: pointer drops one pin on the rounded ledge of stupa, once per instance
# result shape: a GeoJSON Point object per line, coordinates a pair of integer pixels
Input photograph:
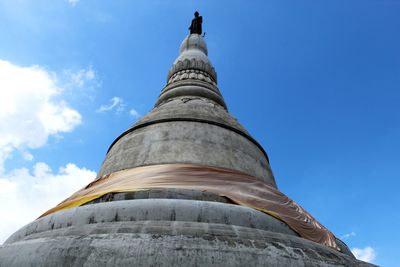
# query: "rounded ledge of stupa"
{"type": "Point", "coordinates": [193, 47]}
{"type": "Point", "coordinates": [193, 41]}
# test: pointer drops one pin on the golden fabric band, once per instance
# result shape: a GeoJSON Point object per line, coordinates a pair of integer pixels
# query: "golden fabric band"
{"type": "Point", "coordinates": [240, 188]}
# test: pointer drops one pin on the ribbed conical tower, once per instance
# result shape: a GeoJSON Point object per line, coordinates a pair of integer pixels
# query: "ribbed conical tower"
{"type": "Point", "coordinates": [183, 186]}
{"type": "Point", "coordinates": [189, 124]}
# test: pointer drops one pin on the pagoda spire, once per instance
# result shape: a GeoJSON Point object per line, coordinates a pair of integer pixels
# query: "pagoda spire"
{"type": "Point", "coordinates": [192, 73]}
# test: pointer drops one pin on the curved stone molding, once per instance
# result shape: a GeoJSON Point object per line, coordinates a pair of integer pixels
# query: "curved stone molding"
{"type": "Point", "coordinates": [193, 64]}
{"type": "Point", "coordinates": [155, 210]}
{"type": "Point", "coordinates": [192, 75]}
{"type": "Point", "coordinates": [189, 88]}
{"type": "Point", "coordinates": [169, 243]}
{"type": "Point", "coordinates": [193, 82]}
{"type": "Point", "coordinates": [195, 107]}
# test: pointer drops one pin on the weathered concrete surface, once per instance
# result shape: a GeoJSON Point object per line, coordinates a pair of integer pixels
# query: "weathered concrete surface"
{"type": "Point", "coordinates": [192, 107]}
{"type": "Point", "coordinates": [182, 132]}
{"type": "Point", "coordinates": [154, 210]}
{"type": "Point", "coordinates": [187, 142]}
{"type": "Point", "coordinates": [166, 243]}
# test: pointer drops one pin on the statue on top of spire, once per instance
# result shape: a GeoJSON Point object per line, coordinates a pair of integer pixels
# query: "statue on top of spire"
{"type": "Point", "coordinates": [195, 27]}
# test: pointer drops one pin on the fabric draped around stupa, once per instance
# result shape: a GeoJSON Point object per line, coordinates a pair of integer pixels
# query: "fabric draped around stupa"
{"type": "Point", "coordinates": [241, 188]}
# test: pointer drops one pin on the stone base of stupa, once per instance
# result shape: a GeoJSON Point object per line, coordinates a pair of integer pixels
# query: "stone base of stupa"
{"type": "Point", "coordinates": [165, 232]}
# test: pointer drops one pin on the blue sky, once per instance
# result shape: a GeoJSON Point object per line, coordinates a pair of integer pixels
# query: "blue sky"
{"type": "Point", "coordinates": [317, 83]}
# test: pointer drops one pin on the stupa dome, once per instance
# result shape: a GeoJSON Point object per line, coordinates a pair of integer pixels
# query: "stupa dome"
{"type": "Point", "coordinates": [193, 46]}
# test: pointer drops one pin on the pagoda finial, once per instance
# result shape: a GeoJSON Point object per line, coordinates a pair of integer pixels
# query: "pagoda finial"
{"type": "Point", "coordinates": [195, 27]}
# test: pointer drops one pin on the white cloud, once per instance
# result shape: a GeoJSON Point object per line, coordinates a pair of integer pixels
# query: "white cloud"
{"type": "Point", "coordinates": [346, 236]}
{"type": "Point", "coordinates": [30, 109]}
{"type": "Point", "coordinates": [83, 80]}
{"type": "Point", "coordinates": [81, 77]}
{"type": "Point", "coordinates": [73, 2]}
{"type": "Point", "coordinates": [25, 195]}
{"type": "Point", "coordinates": [26, 155]}
{"type": "Point", "coordinates": [134, 113]}
{"type": "Point", "coordinates": [116, 103]}
{"type": "Point", "coordinates": [365, 254]}
{"type": "Point", "coordinates": [7, 186]}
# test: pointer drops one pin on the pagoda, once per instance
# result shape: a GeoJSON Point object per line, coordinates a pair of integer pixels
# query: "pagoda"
{"type": "Point", "coordinates": [186, 185]}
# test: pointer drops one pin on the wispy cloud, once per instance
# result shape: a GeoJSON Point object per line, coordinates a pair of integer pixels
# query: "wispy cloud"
{"type": "Point", "coordinates": [365, 254]}
{"type": "Point", "coordinates": [116, 103]}
{"type": "Point", "coordinates": [133, 112]}
{"type": "Point", "coordinates": [81, 77]}
{"type": "Point", "coordinates": [346, 236]}
{"type": "Point", "coordinates": [80, 84]}
{"type": "Point", "coordinates": [73, 2]}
